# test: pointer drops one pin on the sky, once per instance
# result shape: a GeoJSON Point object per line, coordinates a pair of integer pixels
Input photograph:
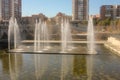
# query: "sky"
{"type": "Point", "coordinates": [51, 7]}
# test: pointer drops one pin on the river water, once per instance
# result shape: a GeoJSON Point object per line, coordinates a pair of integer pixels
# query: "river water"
{"type": "Point", "coordinates": [21, 66]}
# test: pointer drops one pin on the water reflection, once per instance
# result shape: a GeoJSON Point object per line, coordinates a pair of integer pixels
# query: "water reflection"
{"type": "Point", "coordinates": [90, 70]}
{"type": "Point", "coordinates": [48, 67]}
{"type": "Point", "coordinates": [15, 65]}
{"type": "Point", "coordinates": [79, 67]}
{"type": "Point", "coordinates": [40, 65]}
{"type": "Point", "coordinates": [66, 66]}
{"type": "Point", "coordinates": [76, 67]}
{"type": "Point", "coordinates": [104, 66]}
{"type": "Point", "coordinates": [5, 63]}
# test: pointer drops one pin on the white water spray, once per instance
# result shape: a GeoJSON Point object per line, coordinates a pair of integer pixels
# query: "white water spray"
{"type": "Point", "coordinates": [13, 34]}
{"type": "Point", "coordinates": [41, 36]}
{"type": "Point", "coordinates": [90, 37]}
{"type": "Point", "coordinates": [66, 36]}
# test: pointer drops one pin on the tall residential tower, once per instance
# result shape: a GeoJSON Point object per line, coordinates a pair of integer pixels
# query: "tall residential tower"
{"type": "Point", "coordinates": [80, 10]}
{"type": "Point", "coordinates": [6, 9]}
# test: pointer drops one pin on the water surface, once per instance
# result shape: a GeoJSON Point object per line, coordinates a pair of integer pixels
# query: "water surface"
{"type": "Point", "coordinates": [103, 66]}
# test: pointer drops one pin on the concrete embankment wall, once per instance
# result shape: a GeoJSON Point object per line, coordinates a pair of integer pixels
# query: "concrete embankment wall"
{"type": "Point", "coordinates": [113, 43]}
{"type": "Point", "coordinates": [4, 44]}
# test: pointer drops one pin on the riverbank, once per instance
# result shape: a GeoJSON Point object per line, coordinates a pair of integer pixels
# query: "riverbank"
{"type": "Point", "coordinates": [113, 43]}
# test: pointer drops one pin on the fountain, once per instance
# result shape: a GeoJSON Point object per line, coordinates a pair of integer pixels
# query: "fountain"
{"type": "Point", "coordinates": [41, 37]}
{"type": "Point", "coordinates": [13, 34]}
{"type": "Point", "coordinates": [90, 37]}
{"type": "Point", "coordinates": [66, 37]}
{"type": "Point", "coordinates": [13, 31]}
{"type": "Point", "coordinates": [41, 42]}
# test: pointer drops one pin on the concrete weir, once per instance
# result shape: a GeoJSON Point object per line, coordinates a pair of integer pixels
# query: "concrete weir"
{"type": "Point", "coordinates": [52, 41]}
{"type": "Point", "coordinates": [113, 43]}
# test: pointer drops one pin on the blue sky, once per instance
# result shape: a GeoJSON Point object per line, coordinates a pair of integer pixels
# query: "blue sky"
{"type": "Point", "coordinates": [51, 7]}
